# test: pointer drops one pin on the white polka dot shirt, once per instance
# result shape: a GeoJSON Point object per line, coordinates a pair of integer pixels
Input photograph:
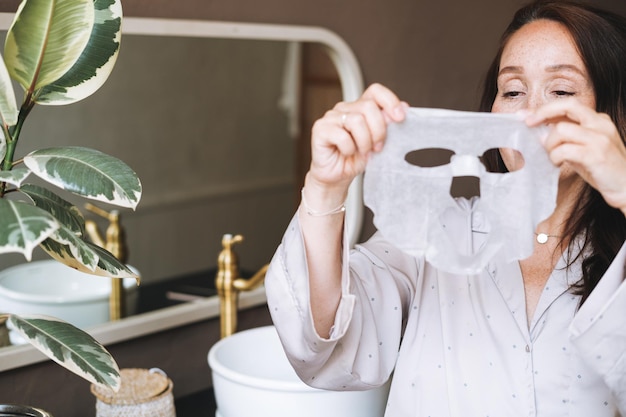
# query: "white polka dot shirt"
{"type": "Point", "coordinates": [458, 345]}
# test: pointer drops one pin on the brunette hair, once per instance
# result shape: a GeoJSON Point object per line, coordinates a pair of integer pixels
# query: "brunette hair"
{"type": "Point", "coordinates": [600, 37]}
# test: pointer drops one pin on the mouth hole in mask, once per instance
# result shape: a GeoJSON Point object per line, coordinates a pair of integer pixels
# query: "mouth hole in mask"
{"type": "Point", "coordinates": [514, 160]}
{"type": "Point", "coordinates": [465, 187]}
{"type": "Point", "coordinates": [429, 157]}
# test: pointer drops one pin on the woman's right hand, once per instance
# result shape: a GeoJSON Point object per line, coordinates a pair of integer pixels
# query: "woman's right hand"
{"type": "Point", "coordinates": [345, 136]}
{"type": "Point", "coordinates": [341, 143]}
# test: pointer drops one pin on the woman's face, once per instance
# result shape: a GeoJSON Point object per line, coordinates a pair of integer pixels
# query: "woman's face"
{"type": "Point", "coordinates": [540, 63]}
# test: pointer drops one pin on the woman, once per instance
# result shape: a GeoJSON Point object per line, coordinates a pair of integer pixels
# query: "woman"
{"type": "Point", "coordinates": [544, 336]}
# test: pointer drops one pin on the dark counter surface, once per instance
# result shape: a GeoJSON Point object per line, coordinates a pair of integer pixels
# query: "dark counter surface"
{"type": "Point", "coordinates": [201, 404]}
{"type": "Point", "coordinates": [153, 296]}
{"type": "Point", "coordinates": [173, 291]}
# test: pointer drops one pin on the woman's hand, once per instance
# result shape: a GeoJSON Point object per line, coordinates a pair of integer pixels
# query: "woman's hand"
{"type": "Point", "coordinates": [344, 137]}
{"type": "Point", "coordinates": [341, 143]}
{"type": "Point", "coordinates": [589, 142]}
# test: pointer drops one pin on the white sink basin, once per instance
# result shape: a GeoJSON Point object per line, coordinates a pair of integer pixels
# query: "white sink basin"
{"type": "Point", "coordinates": [253, 378]}
{"type": "Point", "coordinates": [51, 288]}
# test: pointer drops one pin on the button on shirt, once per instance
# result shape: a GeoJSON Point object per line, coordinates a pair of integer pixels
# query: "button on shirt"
{"type": "Point", "coordinates": [458, 345]}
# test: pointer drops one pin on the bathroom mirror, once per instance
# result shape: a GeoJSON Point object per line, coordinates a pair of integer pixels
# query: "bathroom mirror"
{"type": "Point", "coordinates": [183, 102]}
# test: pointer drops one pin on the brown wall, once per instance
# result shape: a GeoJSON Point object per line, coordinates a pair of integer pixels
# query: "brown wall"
{"type": "Point", "coordinates": [433, 53]}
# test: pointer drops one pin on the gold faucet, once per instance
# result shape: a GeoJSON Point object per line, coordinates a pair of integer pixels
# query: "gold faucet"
{"type": "Point", "coordinates": [114, 242]}
{"type": "Point", "coordinates": [229, 284]}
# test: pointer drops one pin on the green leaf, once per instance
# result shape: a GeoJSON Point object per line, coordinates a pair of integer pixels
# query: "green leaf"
{"type": "Point", "coordinates": [110, 266]}
{"type": "Point", "coordinates": [8, 105]}
{"type": "Point", "coordinates": [23, 227]}
{"type": "Point", "coordinates": [85, 256]}
{"type": "Point", "coordinates": [88, 173]}
{"type": "Point", "coordinates": [70, 347]}
{"type": "Point", "coordinates": [64, 211]}
{"type": "Point", "coordinates": [96, 62]}
{"type": "Point", "coordinates": [69, 249]}
{"type": "Point", "coordinates": [45, 40]}
{"type": "Point", "coordinates": [15, 176]}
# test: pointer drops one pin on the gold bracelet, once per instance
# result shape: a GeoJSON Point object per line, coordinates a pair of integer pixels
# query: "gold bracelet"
{"type": "Point", "coordinates": [315, 213]}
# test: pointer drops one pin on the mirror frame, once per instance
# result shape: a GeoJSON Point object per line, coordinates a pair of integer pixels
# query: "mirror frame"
{"type": "Point", "coordinates": [352, 86]}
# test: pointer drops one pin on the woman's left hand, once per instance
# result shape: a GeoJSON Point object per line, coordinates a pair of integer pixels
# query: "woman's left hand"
{"type": "Point", "coordinates": [589, 142]}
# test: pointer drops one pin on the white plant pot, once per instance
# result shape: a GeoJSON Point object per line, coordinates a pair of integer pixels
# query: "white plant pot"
{"type": "Point", "coordinates": [51, 288]}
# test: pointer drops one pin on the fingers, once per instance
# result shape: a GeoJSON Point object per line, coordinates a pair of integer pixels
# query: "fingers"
{"type": "Point", "coordinates": [387, 101]}
{"type": "Point", "coordinates": [362, 123]}
{"type": "Point", "coordinates": [367, 118]}
{"type": "Point", "coordinates": [573, 123]}
{"type": "Point", "coordinates": [366, 124]}
{"type": "Point", "coordinates": [344, 138]}
{"type": "Point", "coordinates": [569, 142]}
{"type": "Point", "coordinates": [363, 131]}
{"type": "Point", "coordinates": [560, 110]}
{"type": "Point", "coordinates": [330, 131]}
{"type": "Point", "coordinates": [589, 143]}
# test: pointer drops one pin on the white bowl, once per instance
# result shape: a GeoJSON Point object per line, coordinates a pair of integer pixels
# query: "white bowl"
{"type": "Point", "coordinates": [51, 288]}
{"type": "Point", "coordinates": [253, 378]}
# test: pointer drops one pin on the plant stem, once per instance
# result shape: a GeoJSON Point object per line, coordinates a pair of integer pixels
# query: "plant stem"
{"type": "Point", "coordinates": [12, 136]}
{"type": "Point", "coordinates": [14, 133]}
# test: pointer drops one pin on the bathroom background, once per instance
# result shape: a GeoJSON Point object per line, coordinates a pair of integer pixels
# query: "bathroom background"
{"type": "Point", "coordinates": [220, 138]}
{"type": "Point", "coordinates": [228, 157]}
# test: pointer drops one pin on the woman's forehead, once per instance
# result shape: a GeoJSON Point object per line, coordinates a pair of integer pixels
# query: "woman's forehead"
{"type": "Point", "coordinates": [542, 42]}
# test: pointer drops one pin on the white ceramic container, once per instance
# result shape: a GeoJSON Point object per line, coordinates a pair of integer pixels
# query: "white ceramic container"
{"type": "Point", "coordinates": [253, 378]}
{"type": "Point", "coordinates": [51, 288]}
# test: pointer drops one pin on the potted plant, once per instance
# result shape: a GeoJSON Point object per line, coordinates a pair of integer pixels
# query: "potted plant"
{"type": "Point", "coordinates": [59, 52]}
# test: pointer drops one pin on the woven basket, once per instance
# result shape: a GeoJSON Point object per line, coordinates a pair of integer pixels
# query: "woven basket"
{"type": "Point", "coordinates": [143, 393]}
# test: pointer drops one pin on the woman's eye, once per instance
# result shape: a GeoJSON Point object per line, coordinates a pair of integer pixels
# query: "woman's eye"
{"type": "Point", "coordinates": [512, 94]}
{"type": "Point", "coordinates": [562, 93]}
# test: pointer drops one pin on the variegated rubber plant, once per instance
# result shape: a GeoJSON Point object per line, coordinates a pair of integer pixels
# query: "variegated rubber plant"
{"type": "Point", "coordinates": [59, 52]}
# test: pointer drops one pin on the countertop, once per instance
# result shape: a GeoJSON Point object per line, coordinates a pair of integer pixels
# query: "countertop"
{"type": "Point", "coordinates": [201, 404]}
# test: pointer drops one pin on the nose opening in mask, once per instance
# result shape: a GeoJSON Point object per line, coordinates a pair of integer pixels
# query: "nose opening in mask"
{"type": "Point", "coordinates": [465, 187]}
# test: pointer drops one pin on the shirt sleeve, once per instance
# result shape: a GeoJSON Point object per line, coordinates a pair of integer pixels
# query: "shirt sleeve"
{"type": "Point", "coordinates": [599, 329]}
{"type": "Point", "coordinates": [362, 348]}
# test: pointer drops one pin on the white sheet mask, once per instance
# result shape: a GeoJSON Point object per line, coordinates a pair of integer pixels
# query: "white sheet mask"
{"type": "Point", "coordinates": [413, 207]}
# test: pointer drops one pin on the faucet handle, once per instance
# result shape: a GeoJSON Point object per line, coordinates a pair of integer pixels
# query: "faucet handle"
{"type": "Point", "coordinates": [109, 215]}
{"type": "Point", "coordinates": [228, 240]}
{"type": "Point", "coordinates": [115, 241]}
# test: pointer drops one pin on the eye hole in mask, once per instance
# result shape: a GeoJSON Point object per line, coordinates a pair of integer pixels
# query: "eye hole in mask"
{"type": "Point", "coordinates": [435, 157]}
{"type": "Point", "coordinates": [488, 157]}
{"type": "Point", "coordinates": [463, 186]}
{"type": "Point", "coordinates": [429, 157]}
